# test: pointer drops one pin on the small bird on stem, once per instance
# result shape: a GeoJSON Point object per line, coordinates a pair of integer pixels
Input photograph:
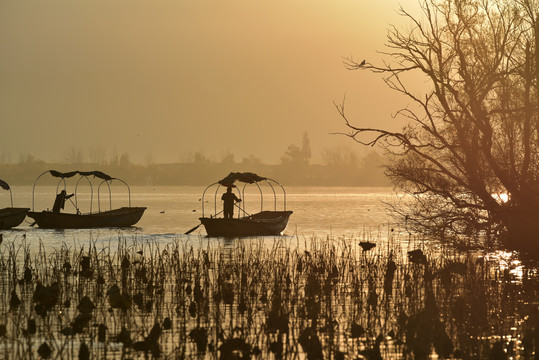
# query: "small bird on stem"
{"type": "Point", "coordinates": [362, 63]}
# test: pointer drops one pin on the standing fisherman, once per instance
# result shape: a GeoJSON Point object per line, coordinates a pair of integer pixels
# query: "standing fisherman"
{"type": "Point", "coordinates": [229, 199]}
{"type": "Point", "coordinates": [60, 201]}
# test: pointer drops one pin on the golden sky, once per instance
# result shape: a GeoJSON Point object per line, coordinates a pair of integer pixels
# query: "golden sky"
{"type": "Point", "coordinates": [174, 77]}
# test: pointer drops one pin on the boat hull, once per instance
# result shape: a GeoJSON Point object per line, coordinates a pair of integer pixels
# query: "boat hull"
{"type": "Point", "coordinates": [262, 224]}
{"type": "Point", "coordinates": [122, 217]}
{"type": "Point", "coordinates": [11, 217]}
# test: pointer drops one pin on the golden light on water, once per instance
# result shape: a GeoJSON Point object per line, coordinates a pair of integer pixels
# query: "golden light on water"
{"type": "Point", "coordinates": [508, 264]}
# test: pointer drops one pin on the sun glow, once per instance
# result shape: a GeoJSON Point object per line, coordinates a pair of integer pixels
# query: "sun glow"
{"type": "Point", "coordinates": [501, 197]}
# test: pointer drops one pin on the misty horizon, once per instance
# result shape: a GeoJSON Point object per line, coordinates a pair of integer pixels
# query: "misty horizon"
{"type": "Point", "coordinates": [173, 79]}
{"type": "Point", "coordinates": [102, 156]}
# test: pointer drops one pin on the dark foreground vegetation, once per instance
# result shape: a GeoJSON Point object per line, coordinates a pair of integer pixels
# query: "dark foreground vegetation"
{"type": "Point", "coordinates": [264, 299]}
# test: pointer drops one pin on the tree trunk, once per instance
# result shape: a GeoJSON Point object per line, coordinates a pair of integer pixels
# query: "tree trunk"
{"type": "Point", "coordinates": [522, 230]}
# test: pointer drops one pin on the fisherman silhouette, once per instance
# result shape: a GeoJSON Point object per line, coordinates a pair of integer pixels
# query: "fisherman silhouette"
{"type": "Point", "coordinates": [229, 199]}
{"type": "Point", "coordinates": [60, 201]}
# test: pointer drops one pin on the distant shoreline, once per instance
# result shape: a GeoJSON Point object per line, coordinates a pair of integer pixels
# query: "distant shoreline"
{"type": "Point", "coordinates": [200, 174]}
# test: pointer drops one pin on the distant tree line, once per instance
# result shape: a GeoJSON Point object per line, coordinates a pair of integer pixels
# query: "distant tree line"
{"type": "Point", "coordinates": [341, 166]}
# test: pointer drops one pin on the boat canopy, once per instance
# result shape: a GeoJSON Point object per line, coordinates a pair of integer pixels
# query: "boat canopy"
{"type": "Point", "coordinates": [83, 175]}
{"type": "Point", "coordinates": [246, 177]}
{"type": "Point", "coordinates": [98, 174]}
{"type": "Point", "coordinates": [4, 185]}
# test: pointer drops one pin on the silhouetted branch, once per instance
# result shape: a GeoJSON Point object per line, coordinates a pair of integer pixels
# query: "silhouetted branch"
{"type": "Point", "coordinates": [475, 131]}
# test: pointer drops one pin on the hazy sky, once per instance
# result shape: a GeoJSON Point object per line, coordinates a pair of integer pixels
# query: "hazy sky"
{"type": "Point", "coordinates": [175, 77]}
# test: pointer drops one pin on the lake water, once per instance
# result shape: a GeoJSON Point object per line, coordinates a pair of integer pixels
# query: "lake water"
{"type": "Point", "coordinates": [346, 288]}
{"type": "Point", "coordinates": [171, 211]}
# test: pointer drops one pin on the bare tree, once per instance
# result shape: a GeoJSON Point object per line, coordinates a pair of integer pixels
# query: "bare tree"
{"type": "Point", "coordinates": [306, 147]}
{"type": "Point", "coordinates": [298, 155]}
{"type": "Point", "coordinates": [228, 158]}
{"type": "Point", "coordinates": [97, 154]}
{"type": "Point", "coordinates": [251, 160]}
{"type": "Point", "coordinates": [73, 156]}
{"type": "Point", "coordinates": [469, 152]}
{"type": "Point", "coordinates": [149, 159]}
{"type": "Point", "coordinates": [341, 156]}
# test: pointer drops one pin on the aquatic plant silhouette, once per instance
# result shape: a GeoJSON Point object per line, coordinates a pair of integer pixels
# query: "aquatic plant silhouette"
{"type": "Point", "coordinates": [366, 245]}
{"type": "Point", "coordinates": [325, 299]}
{"type": "Point", "coordinates": [44, 351]}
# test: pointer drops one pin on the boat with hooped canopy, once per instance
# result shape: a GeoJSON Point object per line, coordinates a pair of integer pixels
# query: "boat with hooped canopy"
{"type": "Point", "coordinates": [55, 219]}
{"type": "Point", "coordinates": [11, 216]}
{"type": "Point", "coordinates": [264, 222]}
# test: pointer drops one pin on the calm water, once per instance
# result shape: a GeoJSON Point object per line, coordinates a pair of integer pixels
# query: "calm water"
{"type": "Point", "coordinates": [171, 211]}
{"type": "Point", "coordinates": [493, 303]}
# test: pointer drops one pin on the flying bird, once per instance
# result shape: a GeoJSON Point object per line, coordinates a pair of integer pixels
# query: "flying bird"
{"type": "Point", "coordinates": [162, 212]}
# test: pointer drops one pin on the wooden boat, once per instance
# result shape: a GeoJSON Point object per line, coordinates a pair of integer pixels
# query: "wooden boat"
{"type": "Point", "coordinates": [121, 217]}
{"type": "Point", "coordinates": [265, 222]}
{"type": "Point", "coordinates": [11, 216]}
{"type": "Point", "coordinates": [261, 224]}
